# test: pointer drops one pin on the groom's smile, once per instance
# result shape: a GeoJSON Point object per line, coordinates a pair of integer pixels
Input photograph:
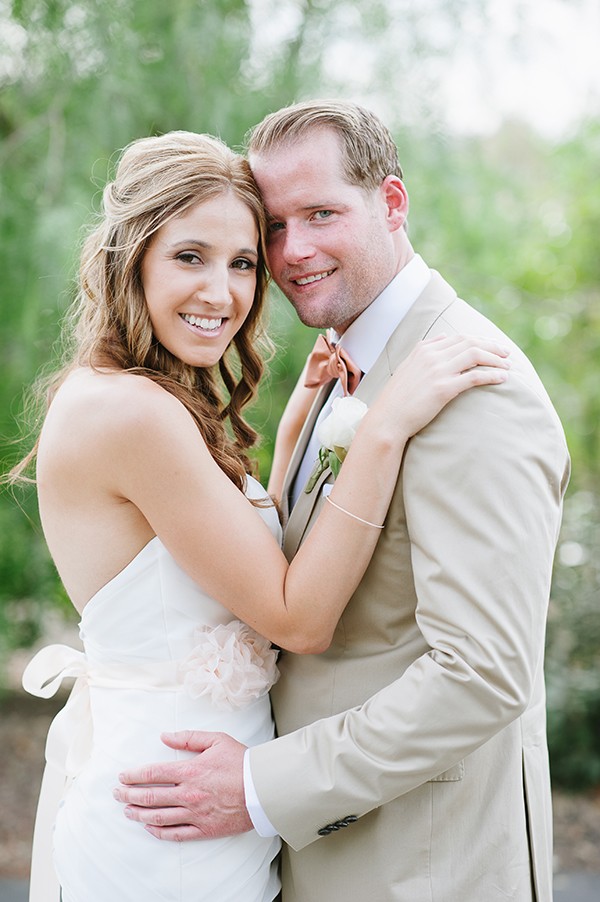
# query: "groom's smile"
{"type": "Point", "coordinates": [307, 280]}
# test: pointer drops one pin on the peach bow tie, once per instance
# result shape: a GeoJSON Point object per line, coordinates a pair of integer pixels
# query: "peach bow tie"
{"type": "Point", "coordinates": [328, 361]}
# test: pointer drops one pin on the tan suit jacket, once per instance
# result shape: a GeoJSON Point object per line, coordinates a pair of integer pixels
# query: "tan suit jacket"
{"type": "Point", "coordinates": [425, 719]}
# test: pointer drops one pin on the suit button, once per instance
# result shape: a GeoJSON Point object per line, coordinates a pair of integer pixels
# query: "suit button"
{"type": "Point", "coordinates": [337, 825]}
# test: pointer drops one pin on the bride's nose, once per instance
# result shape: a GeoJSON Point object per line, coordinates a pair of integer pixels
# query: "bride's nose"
{"type": "Point", "coordinates": [216, 286]}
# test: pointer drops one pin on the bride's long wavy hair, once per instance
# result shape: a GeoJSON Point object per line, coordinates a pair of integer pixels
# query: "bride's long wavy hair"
{"type": "Point", "coordinates": [158, 179]}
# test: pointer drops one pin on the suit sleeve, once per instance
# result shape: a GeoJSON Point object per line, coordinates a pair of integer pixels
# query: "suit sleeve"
{"type": "Point", "coordinates": [482, 489]}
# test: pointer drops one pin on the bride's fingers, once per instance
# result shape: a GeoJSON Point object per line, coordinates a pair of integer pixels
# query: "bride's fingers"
{"type": "Point", "coordinates": [477, 356]}
{"type": "Point", "coordinates": [479, 375]}
{"type": "Point", "coordinates": [437, 361]}
{"type": "Point", "coordinates": [461, 343]}
{"type": "Point", "coordinates": [470, 368]}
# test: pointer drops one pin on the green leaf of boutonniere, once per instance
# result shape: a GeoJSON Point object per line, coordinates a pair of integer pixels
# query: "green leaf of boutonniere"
{"type": "Point", "coordinates": [334, 463]}
{"type": "Point", "coordinates": [318, 468]}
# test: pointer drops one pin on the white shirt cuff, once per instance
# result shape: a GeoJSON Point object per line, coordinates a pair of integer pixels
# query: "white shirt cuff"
{"type": "Point", "coordinates": [262, 824]}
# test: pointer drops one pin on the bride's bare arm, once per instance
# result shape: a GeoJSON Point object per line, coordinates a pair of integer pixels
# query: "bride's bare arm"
{"type": "Point", "coordinates": [215, 534]}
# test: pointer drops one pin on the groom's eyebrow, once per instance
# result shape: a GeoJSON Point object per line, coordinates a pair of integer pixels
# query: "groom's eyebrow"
{"type": "Point", "coordinates": [309, 208]}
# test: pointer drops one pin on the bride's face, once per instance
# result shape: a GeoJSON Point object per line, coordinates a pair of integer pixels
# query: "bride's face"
{"type": "Point", "coordinates": [199, 278]}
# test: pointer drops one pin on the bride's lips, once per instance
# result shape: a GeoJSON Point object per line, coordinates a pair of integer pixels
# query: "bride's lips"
{"type": "Point", "coordinates": [205, 325]}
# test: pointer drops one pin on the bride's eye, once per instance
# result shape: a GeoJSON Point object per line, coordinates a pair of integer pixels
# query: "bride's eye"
{"type": "Point", "coordinates": [243, 264]}
{"type": "Point", "coordinates": [188, 257]}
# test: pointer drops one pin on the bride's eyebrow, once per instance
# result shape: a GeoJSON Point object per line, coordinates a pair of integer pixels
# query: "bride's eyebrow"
{"type": "Point", "coordinates": [190, 242]}
{"type": "Point", "coordinates": [205, 245]}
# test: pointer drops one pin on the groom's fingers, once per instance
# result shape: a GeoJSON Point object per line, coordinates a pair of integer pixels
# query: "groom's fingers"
{"type": "Point", "coordinates": [148, 796]}
{"type": "Point", "coordinates": [165, 772]}
{"type": "Point", "coordinates": [190, 740]}
{"type": "Point", "coordinates": [160, 817]}
{"type": "Point", "coordinates": [184, 833]}
{"type": "Point", "coordinates": [204, 820]}
{"type": "Point", "coordinates": [171, 824]}
{"type": "Point", "coordinates": [172, 771]}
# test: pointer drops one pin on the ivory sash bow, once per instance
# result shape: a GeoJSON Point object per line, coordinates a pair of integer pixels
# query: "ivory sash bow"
{"type": "Point", "coordinates": [67, 747]}
{"type": "Point", "coordinates": [69, 741]}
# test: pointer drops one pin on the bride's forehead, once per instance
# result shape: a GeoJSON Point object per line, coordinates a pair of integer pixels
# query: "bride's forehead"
{"type": "Point", "coordinates": [225, 217]}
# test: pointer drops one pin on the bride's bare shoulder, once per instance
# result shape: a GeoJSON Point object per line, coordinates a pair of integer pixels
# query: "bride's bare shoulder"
{"type": "Point", "coordinates": [104, 408]}
{"type": "Point", "coordinates": [104, 391]}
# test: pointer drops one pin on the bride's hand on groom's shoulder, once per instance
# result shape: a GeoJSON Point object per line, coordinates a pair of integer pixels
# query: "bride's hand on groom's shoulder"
{"type": "Point", "coordinates": [436, 371]}
{"type": "Point", "coordinates": [201, 797]}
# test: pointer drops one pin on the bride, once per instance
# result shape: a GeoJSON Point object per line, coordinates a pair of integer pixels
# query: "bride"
{"type": "Point", "coordinates": [168, 549]}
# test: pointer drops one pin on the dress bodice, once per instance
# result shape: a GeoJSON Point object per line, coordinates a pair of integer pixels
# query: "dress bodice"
{"type": "Point", "coordinates": [151, 609]}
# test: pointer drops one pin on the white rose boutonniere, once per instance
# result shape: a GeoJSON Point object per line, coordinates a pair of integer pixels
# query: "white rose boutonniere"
{"type": "Point", "coordinates": [338, 429]}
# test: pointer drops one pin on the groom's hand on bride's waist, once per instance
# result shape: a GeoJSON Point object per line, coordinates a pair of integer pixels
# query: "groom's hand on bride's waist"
{"type": "Point", "coordinates": [195, 798]}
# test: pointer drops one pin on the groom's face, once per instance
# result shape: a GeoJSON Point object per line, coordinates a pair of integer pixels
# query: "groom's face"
{"type": "Point", "coordinates": [329, 248]}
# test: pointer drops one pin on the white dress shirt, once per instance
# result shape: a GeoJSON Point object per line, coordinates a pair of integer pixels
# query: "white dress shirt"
{"type": "Point", "coordinates": [364, 340]}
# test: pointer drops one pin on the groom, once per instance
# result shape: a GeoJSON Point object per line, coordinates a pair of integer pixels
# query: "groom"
{"type": "Point", "coordinates": [411, 762]}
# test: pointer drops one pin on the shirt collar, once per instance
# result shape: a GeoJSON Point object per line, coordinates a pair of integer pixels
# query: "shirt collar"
{"type": "Point", "coordinates": [367, 336]}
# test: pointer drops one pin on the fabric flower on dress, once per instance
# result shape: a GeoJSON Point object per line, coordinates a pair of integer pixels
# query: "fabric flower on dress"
{"type": "Point", "coordinates": [232, 665]}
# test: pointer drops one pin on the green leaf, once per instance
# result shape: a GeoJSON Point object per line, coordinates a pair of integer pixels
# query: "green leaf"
{"type": "Point", "coordinates": [334, 463]}
{"type": "Point", "coordinates": [316, 472]}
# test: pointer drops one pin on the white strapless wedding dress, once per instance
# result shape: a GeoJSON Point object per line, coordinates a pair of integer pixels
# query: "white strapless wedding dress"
{"type": "Point", "coordinates": [159, 655]}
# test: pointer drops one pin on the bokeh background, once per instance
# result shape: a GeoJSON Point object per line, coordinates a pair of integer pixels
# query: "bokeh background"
{"type": "Point", "coordinates": [495, 105]}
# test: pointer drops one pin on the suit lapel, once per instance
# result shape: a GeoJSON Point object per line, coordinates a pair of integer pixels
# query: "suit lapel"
{"type": "Point", "coordinates": [415, 326]}
{"type": "Point", "coordinates": [301, 515]}
{"type": "Point", "coordinates": [300, 448]}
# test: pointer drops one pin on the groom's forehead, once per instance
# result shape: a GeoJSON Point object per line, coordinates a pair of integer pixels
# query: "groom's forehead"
{"type": "Point", "coordinates": [319, 148]}
{"type": "Point", "coordinates": [301, 176]}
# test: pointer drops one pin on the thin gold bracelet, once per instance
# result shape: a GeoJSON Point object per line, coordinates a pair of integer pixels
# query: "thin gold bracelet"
{"type": "Point", "coordinates": [354, 517]}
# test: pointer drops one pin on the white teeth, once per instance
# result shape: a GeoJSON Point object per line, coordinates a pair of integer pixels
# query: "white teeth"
{"type": "Point", "coordinates": [316, 278]}
{"type": "Point", "coordinates": [202, 322]}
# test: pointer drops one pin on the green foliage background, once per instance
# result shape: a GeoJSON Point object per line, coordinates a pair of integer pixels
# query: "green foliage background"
{"type": "Point", "coordinates": [512, 220]}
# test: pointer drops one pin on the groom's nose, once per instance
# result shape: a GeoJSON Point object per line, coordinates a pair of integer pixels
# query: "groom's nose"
{"type": "Point", "coordinates": [298, 244]}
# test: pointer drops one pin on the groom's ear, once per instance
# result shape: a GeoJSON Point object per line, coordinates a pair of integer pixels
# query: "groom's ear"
{"type": "Point", "coordinates": [395, 198]}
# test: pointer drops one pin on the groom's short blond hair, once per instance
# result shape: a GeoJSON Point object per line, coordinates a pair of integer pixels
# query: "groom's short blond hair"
{"type": "Point", "coordinates": [369, 153]}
